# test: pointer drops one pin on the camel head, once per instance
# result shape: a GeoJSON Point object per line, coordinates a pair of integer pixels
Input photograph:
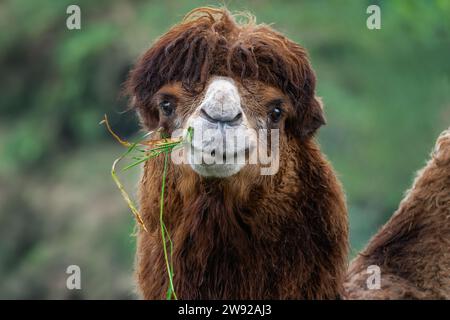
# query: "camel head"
{"type": "Point", "coordinates": [245, 90]}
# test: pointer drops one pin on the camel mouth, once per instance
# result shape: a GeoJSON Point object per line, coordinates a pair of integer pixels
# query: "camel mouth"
{"type": "Point", "coordinates": [221, 154]}
{"type": "Point", "coordinates": [217, 152]}
{"type": "Point", "coordinates": [219, 149]}
{"type": "Point", "coordinates": [218, 164]}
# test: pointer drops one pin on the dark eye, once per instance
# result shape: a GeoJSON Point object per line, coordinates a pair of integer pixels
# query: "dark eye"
{"type": "Point", "coordinates": [275, 114]}
{"type": "Point", "coordinates": [166, 107]}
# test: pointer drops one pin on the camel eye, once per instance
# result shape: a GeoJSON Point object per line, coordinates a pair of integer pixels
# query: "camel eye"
{"type": "Point", "coordinates": [275, 114]}
{"type": "Point", "coordinates": [166, 107]}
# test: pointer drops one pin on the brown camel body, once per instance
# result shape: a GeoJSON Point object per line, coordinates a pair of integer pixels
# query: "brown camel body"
{"type": "Point", "coordinates": [243, 235]}
{"type": "Point", "coordinates": [412, 249]}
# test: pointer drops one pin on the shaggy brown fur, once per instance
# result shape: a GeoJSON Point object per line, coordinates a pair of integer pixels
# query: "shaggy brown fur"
{"type": "Point", "coordinates": [246, 236]}
{"type": "Point", "coordinates": [413, 248]}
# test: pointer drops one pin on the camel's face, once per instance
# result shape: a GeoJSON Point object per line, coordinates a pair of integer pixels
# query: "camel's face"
{"type": "Point", "coordinates": [233, 123]}
{"type": "Point", "coordinates": [242, 87]}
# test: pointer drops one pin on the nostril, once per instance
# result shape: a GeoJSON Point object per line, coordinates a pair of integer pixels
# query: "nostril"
{"type": "Point", "coordinates": [238, 117]}
{"type": "Point", "coordinates": [236, 120]}
{"type": "Point", "coordinates": [205, 115]}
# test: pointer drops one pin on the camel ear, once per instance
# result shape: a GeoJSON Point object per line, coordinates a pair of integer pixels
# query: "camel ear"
{"type": "Point", "coordinates": [308, 107]}
{"type": "Point", "coordinates": [313, 118]}
{"type": "Point", "coordinates": [308, 118]}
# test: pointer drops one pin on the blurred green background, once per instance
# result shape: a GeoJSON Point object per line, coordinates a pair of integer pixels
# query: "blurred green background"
{"type": "Point", "coordinates": [386, 95]}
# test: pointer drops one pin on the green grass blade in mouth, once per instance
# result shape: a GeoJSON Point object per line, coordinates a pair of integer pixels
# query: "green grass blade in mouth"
{"type": "Point", "coordinates": [164, 232]}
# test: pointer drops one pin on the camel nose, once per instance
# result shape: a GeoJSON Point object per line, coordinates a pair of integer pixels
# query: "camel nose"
{"type": "Point", "coordinates": [230, 118]}
{"type": "Point", "coordinates": [222, 103]}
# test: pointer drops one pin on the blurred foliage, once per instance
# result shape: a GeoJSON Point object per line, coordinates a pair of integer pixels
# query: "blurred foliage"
{"type": "Point", "coordinates": [386, 95]}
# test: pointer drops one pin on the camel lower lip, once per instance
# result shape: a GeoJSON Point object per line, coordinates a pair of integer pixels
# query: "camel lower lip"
{"type": "Point", "coordinates": [217, 170]}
